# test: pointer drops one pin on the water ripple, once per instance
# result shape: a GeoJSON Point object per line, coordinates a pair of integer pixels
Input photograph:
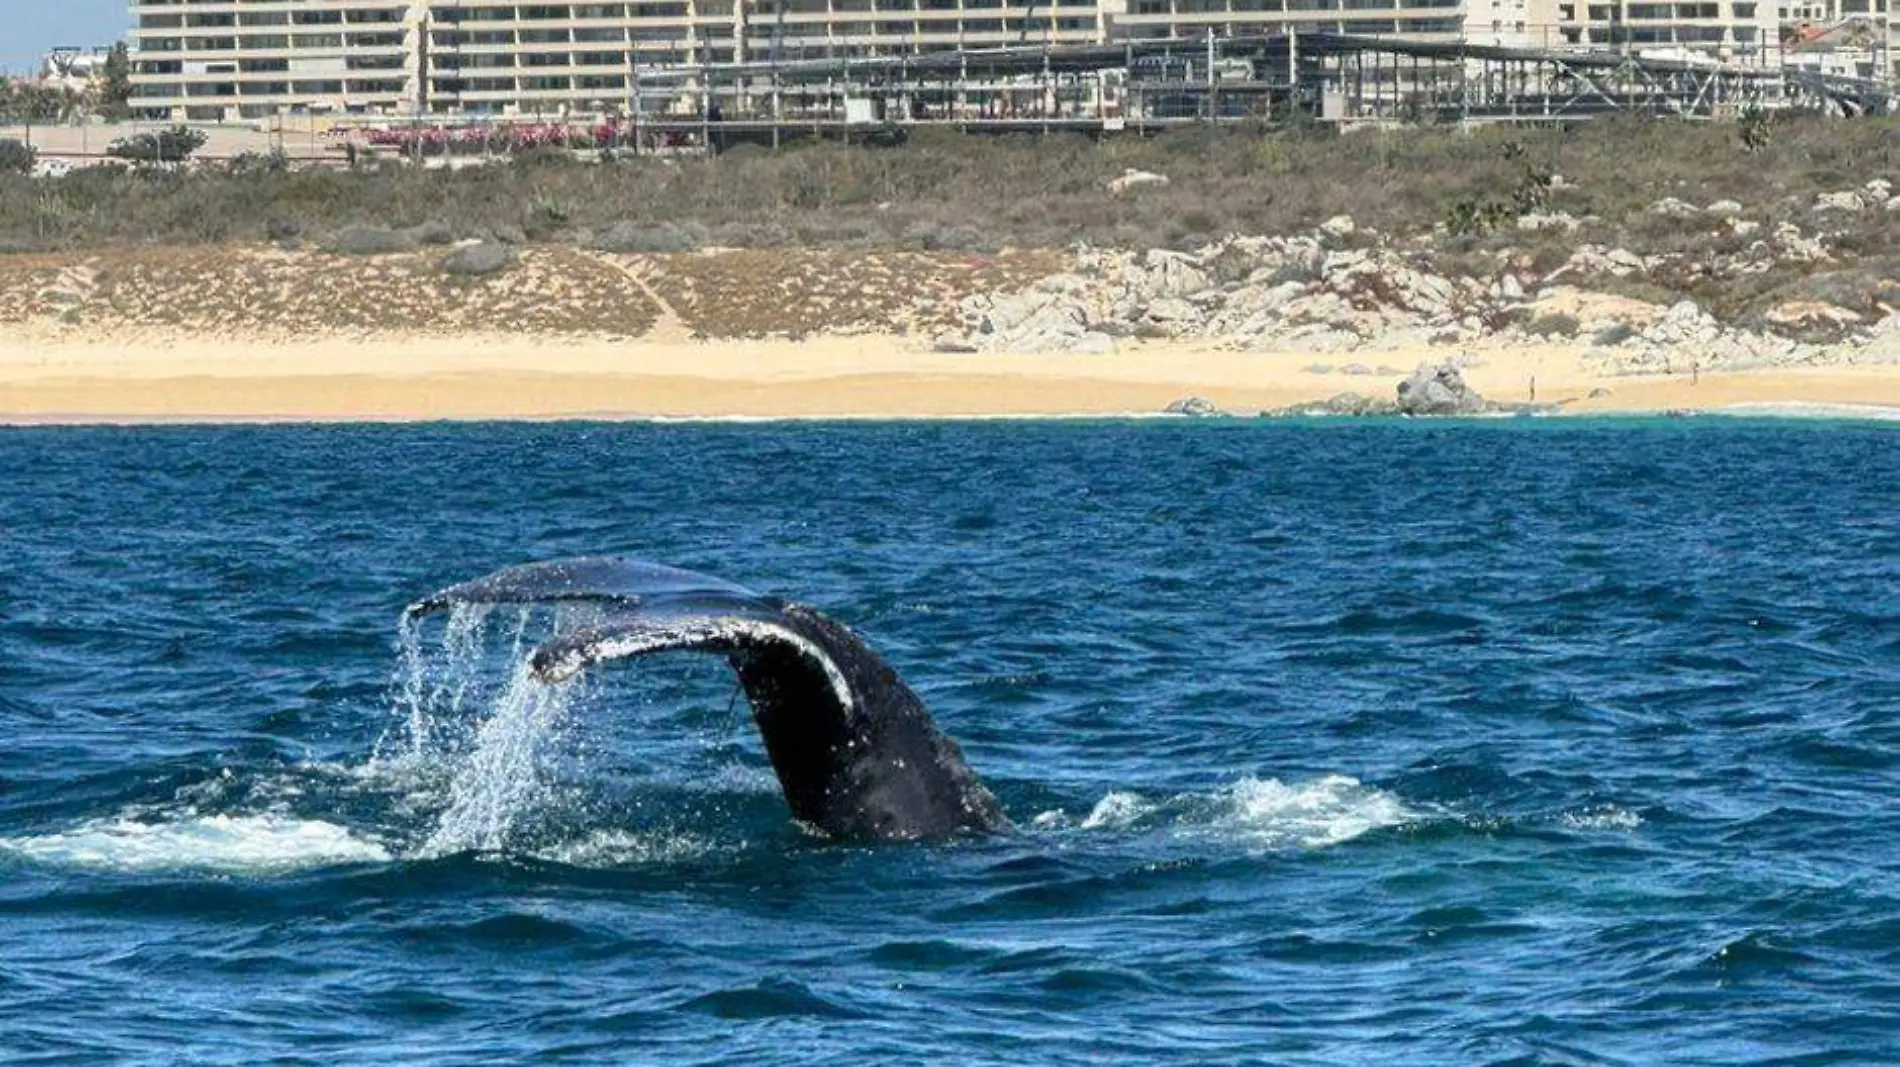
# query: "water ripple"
{"type": "Point", "coordinates": [1530, 742]}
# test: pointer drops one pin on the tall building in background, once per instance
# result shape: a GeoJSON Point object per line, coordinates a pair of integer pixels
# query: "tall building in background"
{"type": "Point", "coordinates": [206, 60]}
{"type": "Point", "coordinates": [229, 60]}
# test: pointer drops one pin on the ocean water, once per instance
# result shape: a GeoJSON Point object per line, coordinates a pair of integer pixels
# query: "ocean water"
{"type": "Point", "coordinates": [1522, 742]}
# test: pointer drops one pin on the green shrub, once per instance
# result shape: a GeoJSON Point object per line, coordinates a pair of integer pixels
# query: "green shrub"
{"type": "Point", "coordinates": [17, 157]}
{"type": "Point", "coordinates": [1554, 326]}
{"type": "Point", "coordinates": [1614, 334]}
{"type": "Point", "coordinates": [166, 146]}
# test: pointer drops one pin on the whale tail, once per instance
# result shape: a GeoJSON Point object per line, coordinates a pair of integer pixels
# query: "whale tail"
{"type": "Point", "coordinates": [856, 753]}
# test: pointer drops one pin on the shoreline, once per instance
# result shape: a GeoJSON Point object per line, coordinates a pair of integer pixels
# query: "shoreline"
{"type": "Point", "coordinates": [81, 378]}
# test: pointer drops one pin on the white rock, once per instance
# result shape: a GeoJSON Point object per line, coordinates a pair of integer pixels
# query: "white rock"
{"type": "Point", "coordinates": [1135, 179]}
{"type": "Point", "coordinates": [1338, 226]}
{"type": "Point", "coordinates": [1622, 262]}
{"type": "Point", "coordinates": [1174, 313]}
{"type": "Point", "coordinates": [1555, 222]}
{"type": "Point", "coordinates": [1796, 246]}
{"type": "Point", "coordinates": [1723, 209]}
{"type": "Point", "coordinates": [1162, 273]}
{"type": "Point", "coordinates": [1848, 201]}
{"type": "Point", "coordinates": [1683, 323]}
{"type": "Point", "coordinates": [1670, 207]}
{"type": "Point", "coordinates": [1880, 190]}
{"type": "Point", "coordinates": [1340, 268]}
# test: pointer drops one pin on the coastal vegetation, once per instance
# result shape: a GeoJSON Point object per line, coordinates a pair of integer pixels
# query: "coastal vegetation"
{"type": "Point", "coordinates": [1774, 241]}
{"type": "Point", "coordinates": [972, 193]}
{"type": "Point", "coordinates": [16, 157]}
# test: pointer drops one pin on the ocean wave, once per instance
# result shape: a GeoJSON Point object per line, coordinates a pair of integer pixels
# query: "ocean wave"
{"type": "Point", "coordinates": [269, 843]}
{"type": "Point", "coordinates": [1805, 409]}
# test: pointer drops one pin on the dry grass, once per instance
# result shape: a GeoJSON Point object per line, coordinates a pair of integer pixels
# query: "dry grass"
{"type": "Point", "coordinates": [552, 291]}
{"type": "Point", "coordinates": [797, 294]}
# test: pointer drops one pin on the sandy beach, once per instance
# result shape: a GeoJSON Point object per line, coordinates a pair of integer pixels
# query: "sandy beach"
{"type": "Point", "coordinates": [79, 377]}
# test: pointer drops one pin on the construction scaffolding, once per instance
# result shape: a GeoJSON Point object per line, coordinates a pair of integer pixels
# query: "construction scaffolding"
{"type": "Point", "coordinates": [1131, 87]}
{"type": "Point", "coordinates": [1151, 85]}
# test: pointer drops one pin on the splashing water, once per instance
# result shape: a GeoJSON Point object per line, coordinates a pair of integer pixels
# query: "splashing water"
{"type": "Point", "coordinates": [432, 692]}
{"type": "Point", "coordinates": [503, 775]}
{"type": "Point", "coordinates": [1257, 813]}
{"type": "Point", "coordinates": [474, 750]}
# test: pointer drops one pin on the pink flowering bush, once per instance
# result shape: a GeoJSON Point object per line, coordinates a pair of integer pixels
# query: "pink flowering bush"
{"type": "Point", "coordinates": [494, 139]}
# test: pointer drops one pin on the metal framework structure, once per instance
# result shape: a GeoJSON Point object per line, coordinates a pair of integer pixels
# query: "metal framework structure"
{"type": "Point", "coordinates": [1157, 84]}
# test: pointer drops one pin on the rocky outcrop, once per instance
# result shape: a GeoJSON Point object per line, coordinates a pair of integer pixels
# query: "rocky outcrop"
{"type": "Point", "coordinates": [1351, 405]}
{"type": "Point", "coordinates": [1344, 289]}
{"type": "Point", "coordinates": [1440, 390]}
{"type": "Point", "coordinates": [1433, 390]}
{"type": "Point", "coordinates": [1305, 294]}
{"type": "Point", "coordinates": [1198, 407]}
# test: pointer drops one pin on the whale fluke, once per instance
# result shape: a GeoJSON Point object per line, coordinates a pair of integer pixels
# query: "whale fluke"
{"type": "Point", "coordinates": [598, 579]}
{"type": "Point", "coordinates": [856, 753]}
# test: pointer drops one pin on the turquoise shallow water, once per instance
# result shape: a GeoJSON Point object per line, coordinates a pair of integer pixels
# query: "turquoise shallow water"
{"type": "Point", "coordinates": [1523, 742]}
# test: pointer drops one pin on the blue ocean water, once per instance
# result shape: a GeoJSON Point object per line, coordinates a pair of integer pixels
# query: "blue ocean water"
{"type": "Point", "coordinates": [1527, 742]}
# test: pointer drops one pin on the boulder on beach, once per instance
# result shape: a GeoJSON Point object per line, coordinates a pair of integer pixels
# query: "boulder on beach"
{"type": "Point", "coordinates": [1352, 405]}
{"type": "Point", "coordinates": [1439, 390]}
{"type": "Point", "coordinates": [1194, 407]}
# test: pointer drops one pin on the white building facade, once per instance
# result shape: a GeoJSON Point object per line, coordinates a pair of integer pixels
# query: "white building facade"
{"type": "Point", "coordinates": [225, 60]}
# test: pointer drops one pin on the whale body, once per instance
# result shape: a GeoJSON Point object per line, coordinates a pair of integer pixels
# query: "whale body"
{"type": "Point", "coordinates": [856, 754]}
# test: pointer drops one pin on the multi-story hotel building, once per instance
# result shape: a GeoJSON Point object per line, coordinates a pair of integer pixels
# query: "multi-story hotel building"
{"type": "Point", "coordinates": [227, 59]}
{"type": "Point", "coordinates": [1740, 29]}
{"type": "Point", "coordinates": [207, 60]}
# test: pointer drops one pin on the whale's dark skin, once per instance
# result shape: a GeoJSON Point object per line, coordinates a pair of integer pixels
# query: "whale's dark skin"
{"type": "Point", "coordinates": [857, 755]}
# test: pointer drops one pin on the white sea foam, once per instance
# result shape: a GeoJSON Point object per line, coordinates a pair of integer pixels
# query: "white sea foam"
{"type": "Point", "coordinates": [1604, 817]}
{"type": "Point", "coordinates": [1803, 409]}
{"type": "Point", "coordinates": [1315, 814]}
{"type": "Point", "coordinates": [1259, 812]}
{"type": "Point", "coordinates": [620, 848]}
{"type": "Point", "coordinates": [1119, 811]}
{"type": "Point", "coordinates": [268, 843]}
